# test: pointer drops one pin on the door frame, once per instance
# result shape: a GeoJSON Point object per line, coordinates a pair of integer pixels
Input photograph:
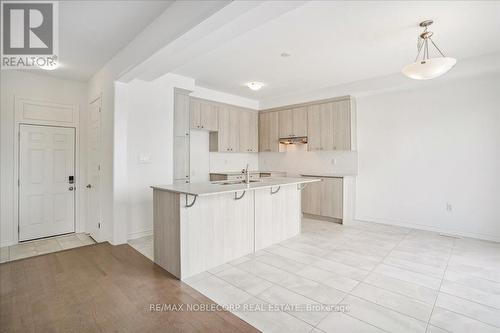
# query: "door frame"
{"type": "Point", "coordinates": [98, 237]}
{"type": "Point", "coordinates": [64, 115]}
{"type": "Point", "coordinates": [75, 172]}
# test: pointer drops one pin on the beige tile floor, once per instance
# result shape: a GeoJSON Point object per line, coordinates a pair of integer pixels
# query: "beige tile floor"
{"type": "Point", "coordinates": [43, 246]}
{"type": "Point", "coordinates": [144, 245]}
{"type": "Point", "coordinates": [391, 279]}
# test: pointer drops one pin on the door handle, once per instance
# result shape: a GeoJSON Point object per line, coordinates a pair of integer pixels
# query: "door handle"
{"type": "Point", "coordinates": [70, 188]}
{"type": "Point", "coordinates": [88, 186]}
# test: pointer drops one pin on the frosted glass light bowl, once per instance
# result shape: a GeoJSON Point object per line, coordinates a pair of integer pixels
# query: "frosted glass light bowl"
{"type": "Point", "coordinates": [429, 68]}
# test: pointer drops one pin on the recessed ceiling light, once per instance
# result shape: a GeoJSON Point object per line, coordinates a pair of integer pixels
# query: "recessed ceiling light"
{"type": "Point", "coordinates": [285, 55]}
{"type": "Point", "coordinates": [255, 85]}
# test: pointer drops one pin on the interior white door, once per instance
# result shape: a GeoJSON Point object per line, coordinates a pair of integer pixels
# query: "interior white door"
{"type": "Point", "coordinates": [93, 224]}
{"type": "Point", "coordinates": [46, 194]}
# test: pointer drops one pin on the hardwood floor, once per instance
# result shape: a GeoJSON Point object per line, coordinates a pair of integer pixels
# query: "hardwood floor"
{"type": "Point", "coordinates": [101, 288]}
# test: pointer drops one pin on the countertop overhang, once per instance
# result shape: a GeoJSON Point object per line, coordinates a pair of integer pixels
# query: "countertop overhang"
{"type": "Point", "coordinates": [329, 175]}
{"type": "Point", "coordinates": [211, 188]}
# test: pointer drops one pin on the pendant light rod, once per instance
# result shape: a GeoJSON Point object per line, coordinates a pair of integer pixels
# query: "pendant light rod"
{"type": "Point", "coordinates": [423, 41]}
{"type": "Point", "coordinates": [437, 48]}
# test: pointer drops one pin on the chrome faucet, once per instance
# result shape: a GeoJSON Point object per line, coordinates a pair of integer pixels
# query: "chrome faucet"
{"type": "Point", "coordinates": [247, 174]}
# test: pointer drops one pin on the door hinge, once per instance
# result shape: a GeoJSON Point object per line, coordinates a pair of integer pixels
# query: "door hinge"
{"type": "Point", "coordinates": [99, 109]}
{"type": "Point", "coordinates": [99, 167]}
{"type": "Point", "coordinates": [98, 225]}
{"type": "Point", "coordinates": [18, 228]}
{"type": "Point", "coordinates": [18, 183]}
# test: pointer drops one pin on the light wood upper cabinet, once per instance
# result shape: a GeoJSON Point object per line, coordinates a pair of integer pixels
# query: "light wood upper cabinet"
{"type": "Point", "coordinates": [341, 125]}
{"type": "Point", "coordinates": [285, 122]}
{"type": "Point", "coordinates": [326, 128]}
{"type": "Point", "coordinates": [320, 127]}
{"type": "Point", "coordinates": [181, 114]}
{"type": "Point", "coordinates": [299, 121]}
{"type": "Point", "coordinates": [227, 138]}
{"type": "Point", "coordinates": [204, 115]}
{"type": "Point", "coordinates": [329, 126]}
{"type": "Point", "coordinates": [292, 123]}
{"type": "Point", "coordinates": [314, 127]}
{"type": "Point", "coordinates": [248, 132]}
{"type": "Point", "coordinates": [268, 132]}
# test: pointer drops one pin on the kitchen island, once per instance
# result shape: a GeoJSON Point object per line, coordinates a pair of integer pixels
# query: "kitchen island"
{"type": "Point", "coordinates": [199, 226]}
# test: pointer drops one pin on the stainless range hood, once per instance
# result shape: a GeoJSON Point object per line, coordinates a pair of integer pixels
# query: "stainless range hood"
{"type": "Point", "coordinates": [294, 140]}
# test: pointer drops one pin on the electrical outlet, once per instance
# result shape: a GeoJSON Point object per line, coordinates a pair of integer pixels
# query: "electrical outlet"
{"type": "Point", "coordinates": [144, 159]}
{"type": "Point", "coordinates": [333, 161]}
{"type": "Point", "coordinates": [449, 208]}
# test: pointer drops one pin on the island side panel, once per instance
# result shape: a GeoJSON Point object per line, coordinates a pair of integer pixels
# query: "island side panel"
{"type": "Point", "coordinates": [217, 229]}
{"type": "Point", "coordinates": [166, 231]}
{"type": "Point", "coordinates": [277, 216]}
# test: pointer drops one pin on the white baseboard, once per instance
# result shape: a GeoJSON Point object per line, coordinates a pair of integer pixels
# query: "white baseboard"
{"type": "Point", "coordinates": [139, 234]}
{"type": "Point", "coordinates": [494, 238]}
{"type": "Point", "coordinates": [7, 243]}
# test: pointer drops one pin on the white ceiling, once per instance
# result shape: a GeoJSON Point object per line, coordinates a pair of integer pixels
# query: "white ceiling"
{"type": "Point", "coordinates": [335, 42]}
{"type": "Point", "coordinates": [92, 32]}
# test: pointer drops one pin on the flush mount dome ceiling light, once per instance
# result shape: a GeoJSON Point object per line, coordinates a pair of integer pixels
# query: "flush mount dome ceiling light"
{"type": "Point", "coordinates": [255, 85]}
{"type": "Point", "coordinates": [425, 67]}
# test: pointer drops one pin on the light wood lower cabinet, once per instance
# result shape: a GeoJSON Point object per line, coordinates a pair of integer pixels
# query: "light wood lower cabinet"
{"type": "Point", "coordinates": [219, 228]}
{"type": "Point", "coordinates": [276, 216]}
{"type": "Point", "coordinates": [331, 197]}
{"type": "Point", "coordinates": [324, 198]}
{"type": "Point", "coordinates": [215, 230]}
{"type": "Point", "coordinates": [311, 199]}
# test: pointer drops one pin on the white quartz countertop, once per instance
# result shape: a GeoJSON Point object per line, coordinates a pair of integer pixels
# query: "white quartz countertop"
{"type": "Point", "coordinates": [328, 175]}
{"type": "Point", "coordinates": [211, 188]}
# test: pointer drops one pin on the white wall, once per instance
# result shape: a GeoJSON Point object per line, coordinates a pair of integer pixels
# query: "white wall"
{"type": "Point", "coordinates": [43, 88]}
{"type": "Point", "coordinates": [424, 147]}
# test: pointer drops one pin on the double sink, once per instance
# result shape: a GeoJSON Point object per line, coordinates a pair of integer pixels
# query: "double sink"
{"type": "Point", "coordinates": [236, 182]}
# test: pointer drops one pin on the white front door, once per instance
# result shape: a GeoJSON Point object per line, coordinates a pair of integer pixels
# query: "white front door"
{"type": "Point", "coordinates": [93, 223]}
{"type": "Point", "coordinates": [46, 192]}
